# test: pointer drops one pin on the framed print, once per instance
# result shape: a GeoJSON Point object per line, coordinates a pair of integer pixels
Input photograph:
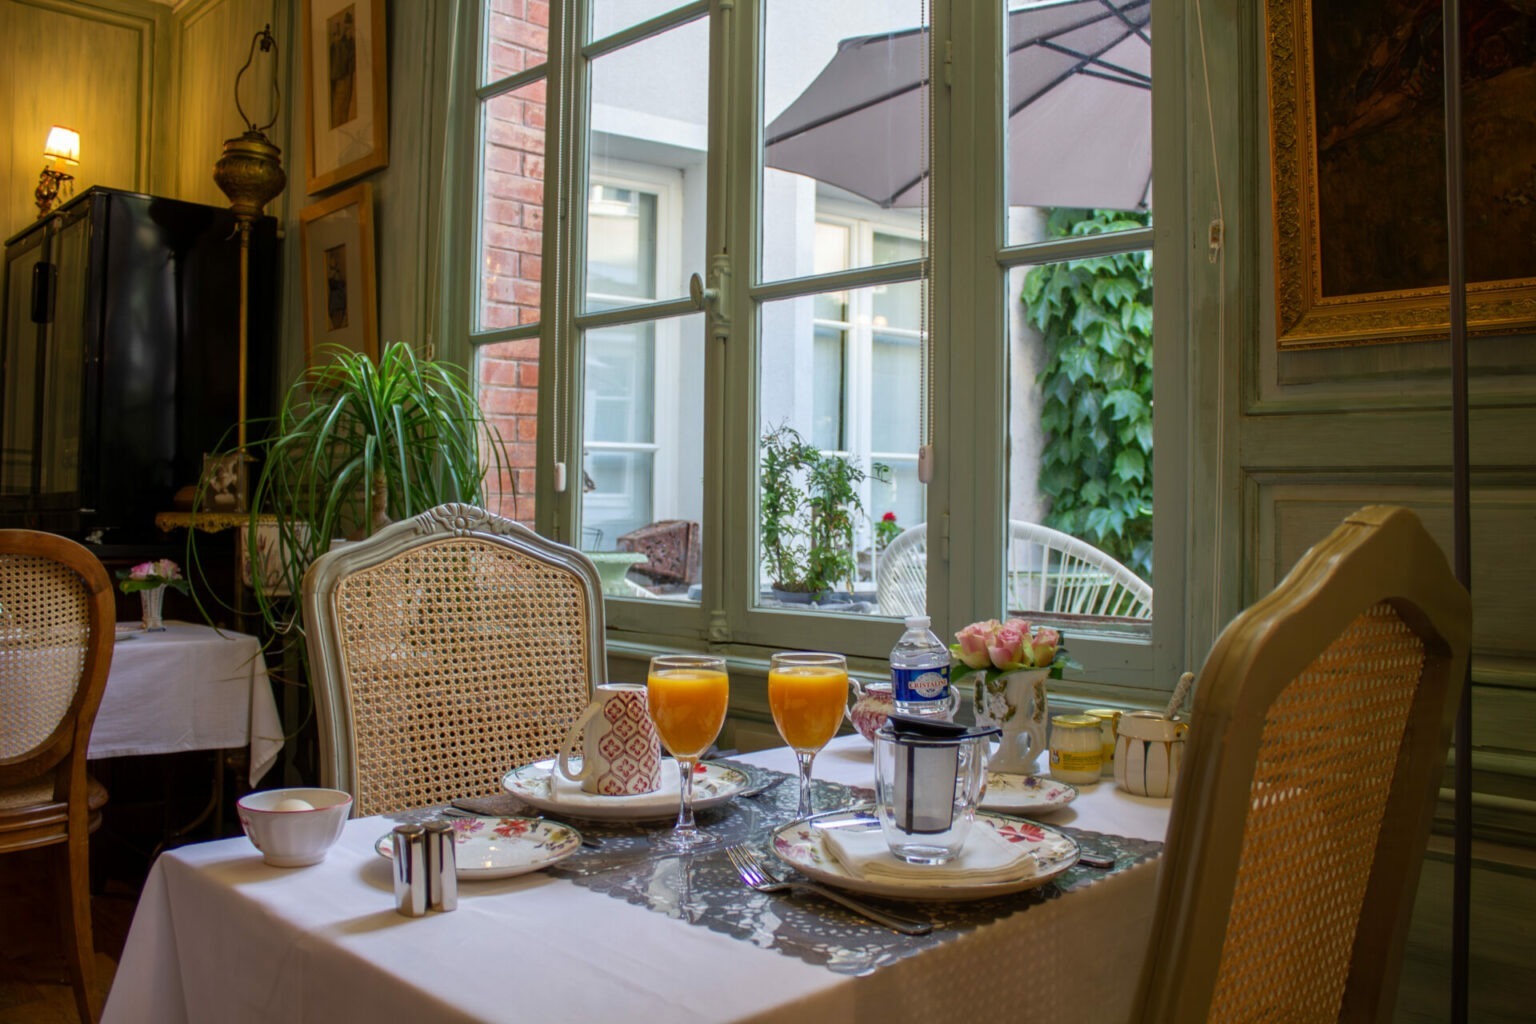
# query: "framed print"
{"type": "Point", "coordinates": [336, 235]}
{"type": "Point", "coordinates": [1357, 160]}
{"type": "Point", "coordinates": [346, 90]}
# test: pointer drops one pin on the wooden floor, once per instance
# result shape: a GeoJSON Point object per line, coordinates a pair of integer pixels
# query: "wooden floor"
{"type": "Point", "coordinates": [34, 976]}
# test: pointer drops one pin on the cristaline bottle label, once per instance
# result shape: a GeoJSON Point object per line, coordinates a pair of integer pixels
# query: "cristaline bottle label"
{"type": "Point", "coordinates": [920, 684]}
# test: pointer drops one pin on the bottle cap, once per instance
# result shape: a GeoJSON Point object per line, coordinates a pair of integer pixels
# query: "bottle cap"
{"type": "Point", "coordinates": [918, 622]}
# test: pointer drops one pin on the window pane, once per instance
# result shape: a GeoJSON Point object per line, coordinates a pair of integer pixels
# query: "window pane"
{"type": "Point", "coordinates": [511, 208]}
{"type": "Point", "coordinates": [1080, 383]}
{"type": "Point", "coordinates": [836, 393]}
{"type": "Point", "coordinates": [1079, 108]}
{"type": "Point", "coordinates": [642, 470]}
{"type": "Point", "coordinates": [508, 373]}
{"type": "Point", "coordinates": [845, 132]}
{"type": "Point", "coordinates": [647, 137]}
{"type": "Point", "coordinates": [516, 37]}
{"type": "Point", "coordinates": [610, 16]}
{"type": "Point", "coordinates": [621, 245]}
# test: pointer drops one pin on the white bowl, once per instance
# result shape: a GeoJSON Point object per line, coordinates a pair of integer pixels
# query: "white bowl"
{"type": "Point", "coordinates": [291, 837]}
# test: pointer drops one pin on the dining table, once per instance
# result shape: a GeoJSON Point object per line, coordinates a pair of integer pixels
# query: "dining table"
{"type": "Point", "coordinates": [188, 686]}
{"type": "Point", "coordinates": [620, 932]}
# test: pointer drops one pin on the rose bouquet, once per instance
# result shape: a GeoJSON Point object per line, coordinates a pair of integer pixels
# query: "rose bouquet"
{"type": "Point", "coordinates": [148, 575]}
{"type": "Point", "coordinates": [989, 651]}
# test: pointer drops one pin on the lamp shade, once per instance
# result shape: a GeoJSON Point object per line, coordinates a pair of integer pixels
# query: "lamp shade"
{"type": "Point", "coordinates": [63, 144]}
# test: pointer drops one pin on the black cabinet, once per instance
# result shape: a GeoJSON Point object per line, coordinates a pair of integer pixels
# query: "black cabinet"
{"type": "Point", "coordinates": [121, 358]}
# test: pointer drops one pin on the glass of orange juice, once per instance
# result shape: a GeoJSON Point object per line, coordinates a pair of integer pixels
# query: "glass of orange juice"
{"type": "Point", "coordinates": [807, 692]}
{"type": "Point", "coordinates": [686, 695]}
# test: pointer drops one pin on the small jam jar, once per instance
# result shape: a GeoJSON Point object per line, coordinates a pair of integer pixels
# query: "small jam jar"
{"type": "Point", "coordinates": [1077, 751]}
{"type": "Point", "coordinates": [1109, 720]}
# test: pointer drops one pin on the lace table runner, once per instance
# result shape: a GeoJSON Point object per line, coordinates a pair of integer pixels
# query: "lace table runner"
{"type": "Point", "coordinates": [704, 889]}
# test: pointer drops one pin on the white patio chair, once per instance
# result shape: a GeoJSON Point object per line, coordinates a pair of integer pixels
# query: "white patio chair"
{"type": "Point", "coordinates": [1048, 572]}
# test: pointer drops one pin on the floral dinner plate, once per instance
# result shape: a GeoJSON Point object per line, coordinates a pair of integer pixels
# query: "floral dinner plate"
{"type": "Point", "coordinates": [502, 847]}
{"type": "Point", "coordinates": [1025, 794]}
{"type": "Point", "coordinates": [537, 785]}
{"type": "Point", "coordinates": [1045, 853]}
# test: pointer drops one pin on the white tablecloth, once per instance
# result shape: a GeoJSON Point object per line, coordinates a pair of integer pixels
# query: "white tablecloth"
{"type": "Point", "coordinates": [219, 936]}
{"type": "Point", "coordinates": [191, 687]}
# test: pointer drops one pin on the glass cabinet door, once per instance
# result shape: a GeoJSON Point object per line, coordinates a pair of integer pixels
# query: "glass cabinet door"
{"type": "Point", "coordinates": [18, 433]}
{"type": "Point", "coordinates": [64, 363]}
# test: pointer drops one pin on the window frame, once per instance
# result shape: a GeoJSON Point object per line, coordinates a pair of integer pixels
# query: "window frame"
{"type": "Point", "coordinates": [967, 501]}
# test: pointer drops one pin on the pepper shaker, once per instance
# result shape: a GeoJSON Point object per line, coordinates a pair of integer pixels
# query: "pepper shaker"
{"type": "Point", "coordinates": [410, 863]}
{"type": "Point", "coordinates": [442, 867]}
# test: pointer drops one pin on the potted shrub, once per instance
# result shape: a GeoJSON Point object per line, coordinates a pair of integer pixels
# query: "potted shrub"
{"type": "Point", "coordinates": [809, 504]}
{"type": "Point", "coordinates": [356, 445]}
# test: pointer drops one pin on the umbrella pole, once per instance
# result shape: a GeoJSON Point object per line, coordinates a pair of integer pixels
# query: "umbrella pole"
{"type": "Point", "coordinates": [1461, 867]}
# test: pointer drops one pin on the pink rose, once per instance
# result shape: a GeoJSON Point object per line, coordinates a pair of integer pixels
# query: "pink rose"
{"type": "Point", "coordinates": [973, 640]}
{"type": "Point", "coordinates": [1009, 648]}
{"type": "Point", "coordinates": [1045, 643]}
{"type": "Point", "coordinates": [142, 571]}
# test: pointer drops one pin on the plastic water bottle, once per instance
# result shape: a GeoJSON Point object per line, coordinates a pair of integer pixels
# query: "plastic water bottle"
{"type": "Point", "coordinates": [920, 671]}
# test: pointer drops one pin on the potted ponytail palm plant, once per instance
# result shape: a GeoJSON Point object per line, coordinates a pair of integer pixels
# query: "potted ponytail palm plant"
{"type": "Point", "coordinates": [808, 511]}
{"type": "Point", "coordinates": [358, 444]}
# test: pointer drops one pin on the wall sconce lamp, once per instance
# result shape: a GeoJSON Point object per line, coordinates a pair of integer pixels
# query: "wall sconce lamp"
{"type": "Point", "coordinates": [62, 147]}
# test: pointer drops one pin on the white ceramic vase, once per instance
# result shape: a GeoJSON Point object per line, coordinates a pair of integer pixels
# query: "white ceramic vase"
{"type": "Point", "coordinates": [1015, 702]}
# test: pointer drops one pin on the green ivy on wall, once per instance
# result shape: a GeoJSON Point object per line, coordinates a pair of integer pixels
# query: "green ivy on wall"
{"type": "Point", "coordinates": [1096, 317]}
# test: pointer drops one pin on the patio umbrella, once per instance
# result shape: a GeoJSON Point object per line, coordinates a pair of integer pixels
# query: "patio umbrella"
{"type": "Point", "coordinates": [1079, 111]}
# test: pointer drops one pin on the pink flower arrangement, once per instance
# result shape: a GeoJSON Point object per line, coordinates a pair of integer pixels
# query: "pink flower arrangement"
{"type": "Point", "coordinates": [147, 575]}
{"type": "Point", "coordinates": [993, 647]}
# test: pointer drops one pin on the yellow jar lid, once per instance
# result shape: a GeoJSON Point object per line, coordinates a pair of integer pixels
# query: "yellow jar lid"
{"type": "Point", "coordinates": [1074, 722]}
{"type": "Point", "coordinates": [1113, 713]}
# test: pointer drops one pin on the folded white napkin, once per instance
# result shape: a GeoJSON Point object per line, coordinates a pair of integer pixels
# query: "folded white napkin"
{"type": "Point", "coordinates": [987, 857]}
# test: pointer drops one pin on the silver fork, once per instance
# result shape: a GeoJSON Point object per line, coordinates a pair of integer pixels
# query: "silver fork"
{"type": "Point", "coordinates": [754, 876]}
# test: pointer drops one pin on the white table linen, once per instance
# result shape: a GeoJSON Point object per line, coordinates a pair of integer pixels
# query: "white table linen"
{"type": "Point", "coordinates": [190, 687]}
{"type": "Point", "coordinates": [220, 936]}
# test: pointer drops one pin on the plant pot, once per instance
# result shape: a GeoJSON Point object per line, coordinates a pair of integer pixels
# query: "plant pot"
{"type": "Point", "coordinates": [810, 597]}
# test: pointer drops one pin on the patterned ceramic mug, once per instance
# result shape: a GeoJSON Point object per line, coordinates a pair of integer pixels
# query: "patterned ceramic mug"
{"type": "Point", "coordinates": [620, 751]}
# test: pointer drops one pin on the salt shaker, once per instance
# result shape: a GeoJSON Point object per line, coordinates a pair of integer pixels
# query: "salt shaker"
{"type": "Point", "coordinates": [410, 860]}
{"type": "Point", "coordinates": [442, 868]}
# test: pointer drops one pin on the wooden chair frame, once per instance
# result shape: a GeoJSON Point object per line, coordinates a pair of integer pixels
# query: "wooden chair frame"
{"type": "Point", "coordinates": [454, 524]}
{"type": "Point", "coordinates": [63, 754]}
{"type": "Point", "coordinates": [1378, 556]}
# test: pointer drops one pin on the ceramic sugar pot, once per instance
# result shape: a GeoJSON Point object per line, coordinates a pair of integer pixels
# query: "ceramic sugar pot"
{"type": "Point", "coordinates": [1149, 748]}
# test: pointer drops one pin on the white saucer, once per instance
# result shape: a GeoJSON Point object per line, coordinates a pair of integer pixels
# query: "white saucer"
{"type": "Point", "coordinates": [713, 784]}
{"type": "Point", "coordinates": [800, 845]}
{"type": "Point", "coordinates": [1025, 794]}
{"type": "Point", "coordinates": [502, 847]}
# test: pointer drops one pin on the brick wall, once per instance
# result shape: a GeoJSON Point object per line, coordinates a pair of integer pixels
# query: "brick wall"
{"type": "Point", "coordinates": [511, 244]}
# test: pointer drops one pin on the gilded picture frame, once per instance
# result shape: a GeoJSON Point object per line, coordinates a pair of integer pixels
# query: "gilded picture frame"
{"type": "Point", "coordinates": [336, 239]}
{"type": "Point", "coordinates": [346, 90]}
{"type": "Point", "coordinates": [1356, 119]}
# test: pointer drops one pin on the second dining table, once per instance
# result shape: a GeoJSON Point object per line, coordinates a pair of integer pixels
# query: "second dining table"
{"type": "Point", "coordinates": [622, 933]}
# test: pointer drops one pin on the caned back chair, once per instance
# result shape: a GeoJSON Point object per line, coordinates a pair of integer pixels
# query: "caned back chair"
{"type": "Point", "coordinates": [448, 649]}
{"type": "Point", "coordinates": [1304, 803]}
{"type": "Point", "coordinates": [1048, 571]}
{"type": "Point", "coordinates": [56, 634]}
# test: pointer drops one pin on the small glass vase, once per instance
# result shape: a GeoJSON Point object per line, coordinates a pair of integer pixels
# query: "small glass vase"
{"type": "Point", "coordinates": [151, 601]}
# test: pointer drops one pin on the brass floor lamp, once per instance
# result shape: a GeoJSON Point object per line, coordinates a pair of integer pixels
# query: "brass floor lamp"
{"type": "Point", "coordinates": [251, 174]}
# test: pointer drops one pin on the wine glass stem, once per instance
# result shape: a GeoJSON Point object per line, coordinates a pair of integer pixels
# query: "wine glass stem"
{"type": "Point", "coordinates": [805, 757]}
{"type": "Point", "coordinates": [685, 788]}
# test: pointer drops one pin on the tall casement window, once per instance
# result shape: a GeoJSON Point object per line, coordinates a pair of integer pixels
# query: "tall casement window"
{"type": "Point", "coordinates": [802, 317]}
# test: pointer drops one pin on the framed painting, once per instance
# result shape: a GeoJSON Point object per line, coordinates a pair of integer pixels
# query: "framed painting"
{"type": "Point", "coordinates": [336, 236]}
{"type": "Point", "coordinates": [346, 90]}
{"type": "Point", "coordinates": [1357, 160]}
